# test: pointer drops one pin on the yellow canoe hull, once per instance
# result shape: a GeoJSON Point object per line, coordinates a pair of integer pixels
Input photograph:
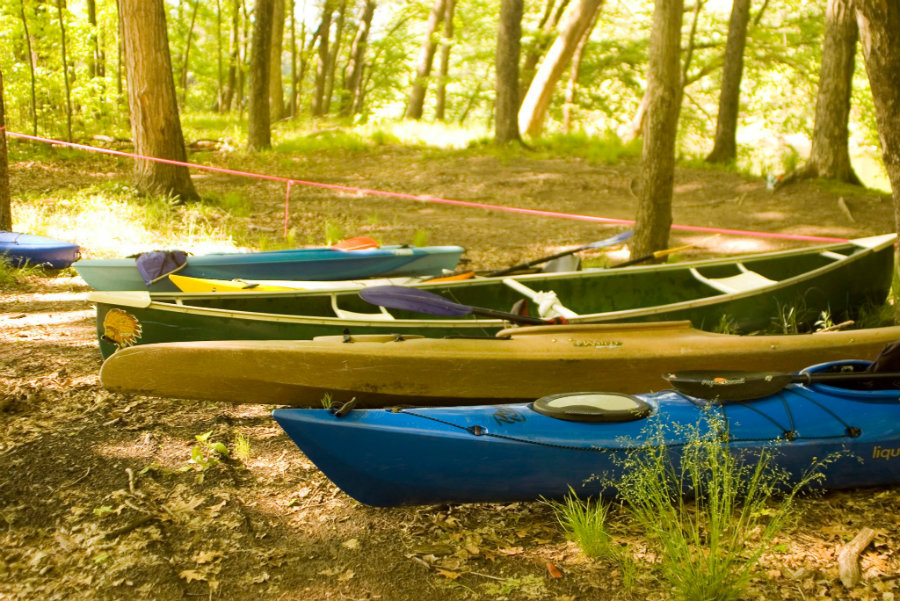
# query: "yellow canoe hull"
{"type": "Point", "coordinates": [519, 364]}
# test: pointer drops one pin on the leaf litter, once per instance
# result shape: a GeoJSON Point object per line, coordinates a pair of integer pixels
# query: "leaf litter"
{"type": "Point", "coordinates": [98, 499]}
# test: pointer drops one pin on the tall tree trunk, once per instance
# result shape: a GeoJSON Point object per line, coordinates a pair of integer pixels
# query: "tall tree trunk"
{"type": "Point", "coordinates": [333, 53]}
{"type": "Point", "coordinates": [509, 38]}
{"type": "Point", "coordinates": [234, 58]}
{"type": "Point", "coordinates": [324, 31]}
{"type": "Point", "coordinates": [298, 61]}
{"type": "Point", "coordinates": [830, 154]}
{"type": "Point", "coordinates": [879, 34]}
{"type": "Point", "coordinates": [155, 125]}
{"type": "Point", "coordinates": [259, 130]}
{"type": "Point", "coordinates": [536, 49]}
{"type": "Point", "coordinates": [186, 58]}
{"type": "Point", "coordinates": [276, 83]}
{"type": "Point", "coordinates": [94, 54]}
{"type": "Point", "coordinates": [292, 95]}
{"type": "Point", "coordinates": [357, 58]}
{"type": "Point", "coordinates": [5, 199]}
{"type": "Point", "coordinates": [65, 67]}
{"type": "Point", "coordinates": [725, 145]}
{"type": "Point", "coordinates": [416, 105]}
{"type": "Point", "coordinates": [440, 105]}
{"type": "Point", "coordinates": [220, 74]}
{"type": "Point", "coordinates": [31, 61]}
{"type": "Point", "coordinates": [244, 66]}
{"type": "Point", "coordinates": [574, 70]}
{"type": "Point", "coordinates": [654, 215]}
{"type": "Point", "coordinates": [578, 18]}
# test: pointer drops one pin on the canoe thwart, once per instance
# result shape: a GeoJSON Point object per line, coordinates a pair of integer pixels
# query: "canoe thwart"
{"type": "Point", "coordinates": [745, 281]}
{"type": "Point", "coordinates": [383, 315]}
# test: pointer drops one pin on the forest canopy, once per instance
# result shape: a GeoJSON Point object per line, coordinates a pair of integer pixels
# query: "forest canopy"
{"type": "Point", "coordinates": [599, 95]}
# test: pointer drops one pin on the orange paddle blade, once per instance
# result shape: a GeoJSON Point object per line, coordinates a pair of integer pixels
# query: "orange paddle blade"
{"type": "Point", "coordinates": [453, 277]}
{"type": "Point", "coordinates": [357, 243]}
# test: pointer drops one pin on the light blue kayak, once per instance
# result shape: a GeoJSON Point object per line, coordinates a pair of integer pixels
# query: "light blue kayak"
{"type": "Point", "coordinates": [22, 249]}
{"type": "Point", "coordinates": [526, 451]}
{"type": "Point", "coordinates": [294, 264]}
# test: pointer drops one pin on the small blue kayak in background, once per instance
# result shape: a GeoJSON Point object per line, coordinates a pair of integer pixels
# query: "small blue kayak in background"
{"type": "Point", "coordinates": [22, 249]}
{"type": "Point", "coordinates": [324, 263]}
{"type": "Point", "coordinates": [526, 451]}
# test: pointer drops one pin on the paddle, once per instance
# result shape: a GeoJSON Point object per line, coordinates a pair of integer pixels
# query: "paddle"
{"type": "Point", "coordinates": [421, 301]}
{"type": "Point", "coordinates": [617, 239]}
{"type": "Point", "coordinates": [654, 255]}
{"type": "Point", "coordinates": [728, 386]}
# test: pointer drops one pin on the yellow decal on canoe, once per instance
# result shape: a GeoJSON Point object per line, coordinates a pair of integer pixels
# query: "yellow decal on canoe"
{"type": "Point", "coordinates": [121, 328]}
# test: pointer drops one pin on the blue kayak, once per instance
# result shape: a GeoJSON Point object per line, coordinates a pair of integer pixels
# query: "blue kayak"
{"type": "Point", "coordinates": [522, 452]}
{"type": "Point", "coordinates": [22, 249]}
{"type": "Point", "coordinates": [324, 263]}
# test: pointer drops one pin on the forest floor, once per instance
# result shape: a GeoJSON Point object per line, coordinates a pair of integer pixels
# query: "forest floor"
{"type": "Point", "coordinates": [99, 499]}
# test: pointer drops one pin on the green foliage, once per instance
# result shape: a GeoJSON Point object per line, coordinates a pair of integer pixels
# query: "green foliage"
{"type": "Point", "coordinates": [242, 451]}
{"type": "Point", "coordinates": [709, 544]}
{"type": "Point", "coordinates": [206, 453]}
{"type": "Point", "coordinates": [420, 238]}
{"type": "Point", "coordinates": [584, 521]}
{"type": "Point", "coordinates": [11, 277]}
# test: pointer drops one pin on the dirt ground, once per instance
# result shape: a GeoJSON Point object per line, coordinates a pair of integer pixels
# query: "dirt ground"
{"type": "Point", "coordinates": [99, 499]}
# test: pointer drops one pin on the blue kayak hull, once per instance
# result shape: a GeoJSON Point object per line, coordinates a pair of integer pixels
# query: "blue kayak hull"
{"type": "Point", "coordinates": [293, 264]}
{"type": "Point", "coordinates": [506, 453]}
{"type": "Point", "coordinates": [22, 249]}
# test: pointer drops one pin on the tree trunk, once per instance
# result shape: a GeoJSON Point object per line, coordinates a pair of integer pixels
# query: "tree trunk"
{"type": "Point", "coordinates": [572, 84]}
{"type": "Point", "coordinates": [318, 103]}
{"type": "Point", "coordinates": [416, 105]}
{"type": "Point", "coordinates": [725, 145]}
{"type": "Point", "coordinates": [578, 18]}
{"type": "Point", "coordinates": [635, 127]}
{"type": "Point", "coordinates": [65, 68]}
{"type": "Point", "coordinates": [259, 131]}
{"type": "Point", "coordinates": [357, 58]}
{"type": "Point", "coordinates": [220, 76]}
{"type": "Point", "coordinates": [292, 97]}
{"type": "Point", "coordinates": [333, 57]}
{"type": "Point", "coordinates": [654, 215]}
{"type": "Point", "coordinates": [155, 125]}
{"type": "Point", "coordinates": [94, 54]}
{"type": "Point", "coordinates": [234, 58]}
{"type": "Point", "coordinates": [34, 123]}
{"type": "Point", "coordinates": [276, 83]}
{"type": "Point", "coordinates": [537, 48]}
{"type": "Point", "coordinates": [440, 103]}
{"type": "Point", "coordinates": [5, 200]}
{"type": "Point", "coordinates": [830, 155]}
{"type": "Point", "coordinates": [879, 34]}
{"type": "Point", "coordinates": [509, 36]}
{"type": "Point", "coordinates": [186, 58]}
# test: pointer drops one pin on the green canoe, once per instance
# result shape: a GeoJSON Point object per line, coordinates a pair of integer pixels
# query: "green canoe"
{"type": "Point", "coordinates": [748, 293]}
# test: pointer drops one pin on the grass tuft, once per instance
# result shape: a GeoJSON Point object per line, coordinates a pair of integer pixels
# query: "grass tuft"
{"type": "Point", "coordinates": [711, 512]}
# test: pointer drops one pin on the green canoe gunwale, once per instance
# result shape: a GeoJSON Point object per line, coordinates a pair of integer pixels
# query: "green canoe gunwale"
{"type": "Point", "coordinates": [840, 255]}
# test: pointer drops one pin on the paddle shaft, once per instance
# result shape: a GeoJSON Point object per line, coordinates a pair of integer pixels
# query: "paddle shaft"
{"type": "Point", "coordinates": [617, 239]}
{"type": "Point", "coordinates": [744, 386]}
{"type": "Point", "coordinates": [812, 378]}
{"type": "Point", "coordinates": [528, 264]}
{"type": "Point", "coordinates": [653, 255]}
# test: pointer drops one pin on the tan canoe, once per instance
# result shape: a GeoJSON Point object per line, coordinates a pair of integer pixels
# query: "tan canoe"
{"type": "Point", "coordinates": [521, 363]}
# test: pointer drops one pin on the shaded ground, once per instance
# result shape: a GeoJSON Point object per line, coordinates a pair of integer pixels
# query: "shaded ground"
{"type": "Point", "coordinates": [98, 499]}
